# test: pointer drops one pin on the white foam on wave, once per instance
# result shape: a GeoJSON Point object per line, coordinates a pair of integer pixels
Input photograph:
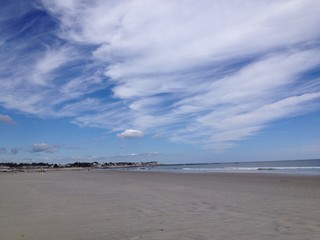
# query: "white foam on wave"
{"type": "Point", "coordinates": [249, 169]}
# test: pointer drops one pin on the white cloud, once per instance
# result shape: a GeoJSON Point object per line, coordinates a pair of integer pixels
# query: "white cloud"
{"type": "Point", "coordinates": [3, 150]}
{"type": "Point", "coordinates": [209, 73]}
{"type": "Point", "coordinates": [6, 119]}
{"type": "Point", "coordinates": [130, 133]}
{"type": "Point", "coordinates": [42, 147]}
{"type": "Point", "coordinates": [15, 151]}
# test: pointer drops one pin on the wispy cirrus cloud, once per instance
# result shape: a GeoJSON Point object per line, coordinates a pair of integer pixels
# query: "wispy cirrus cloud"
{"type": "Point", "coordinates": [206, 73]}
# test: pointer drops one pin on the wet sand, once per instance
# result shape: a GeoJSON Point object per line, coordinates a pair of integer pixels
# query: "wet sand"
{"type": "Point", "coordinates": [149, 205]}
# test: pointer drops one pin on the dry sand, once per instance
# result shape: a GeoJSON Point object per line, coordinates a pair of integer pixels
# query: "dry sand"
{"type": "Point", "coordinates": [149, 205]}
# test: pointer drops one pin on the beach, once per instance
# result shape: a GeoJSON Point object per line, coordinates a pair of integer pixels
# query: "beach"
{"type": "Point", "coordinates": [154, 205]}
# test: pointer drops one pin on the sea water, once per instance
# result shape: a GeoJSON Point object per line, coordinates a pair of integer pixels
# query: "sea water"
{"type": "Point", "coordinates": [300, 167]}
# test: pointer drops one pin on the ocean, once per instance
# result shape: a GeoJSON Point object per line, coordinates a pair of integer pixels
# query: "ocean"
{"type": "Point", "coordinates": [298, 167]}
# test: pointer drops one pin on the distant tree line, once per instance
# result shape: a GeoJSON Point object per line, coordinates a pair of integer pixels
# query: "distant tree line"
{"type": "Point", "coordinates": [20, 165]}
{"type": "Point", "coordinates": [76, 164]}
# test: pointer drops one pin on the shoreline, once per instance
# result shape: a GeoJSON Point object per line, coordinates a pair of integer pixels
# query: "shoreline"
{"type": "Point", "coordinates": [291, 167]}
{"type": "Point", "coordinates": [136, 170]}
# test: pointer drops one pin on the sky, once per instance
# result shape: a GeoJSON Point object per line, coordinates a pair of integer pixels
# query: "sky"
{"type": "Point", "coordinates": [159, 80]}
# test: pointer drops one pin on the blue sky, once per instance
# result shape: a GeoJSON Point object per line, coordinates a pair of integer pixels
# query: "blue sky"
{"type": "Point", "coordinates": [167, 81]}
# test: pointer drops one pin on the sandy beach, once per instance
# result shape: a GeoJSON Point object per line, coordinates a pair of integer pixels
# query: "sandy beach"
{"type": "Point", "coordinates": [150, 205]}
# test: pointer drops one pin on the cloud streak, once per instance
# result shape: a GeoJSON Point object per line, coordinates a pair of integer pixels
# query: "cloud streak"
{"type": "Point", "coordinates": [207, 73]}
{"type": "Point", "coordinates": [6, 119]}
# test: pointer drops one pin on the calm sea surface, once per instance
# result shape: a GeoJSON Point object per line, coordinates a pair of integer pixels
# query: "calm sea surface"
{"type": "Point", "coordinates": [301, 167]}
